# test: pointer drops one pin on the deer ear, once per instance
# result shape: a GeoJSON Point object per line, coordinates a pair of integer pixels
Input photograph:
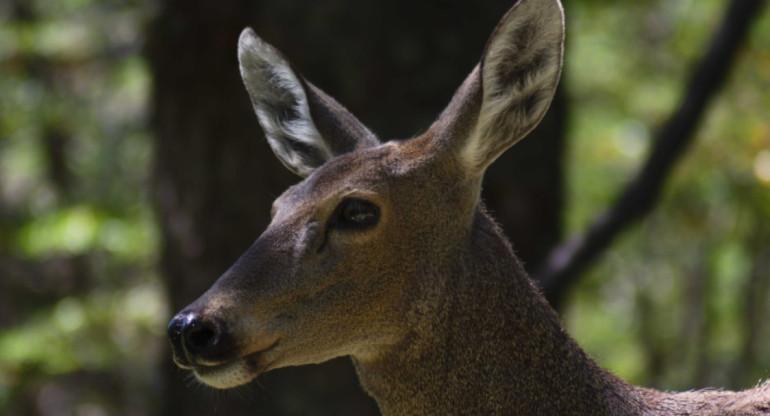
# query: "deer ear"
{"type": "Point", "coordinates": [304, 126]}
{"type": "Point", "coordinates": [508, 94]}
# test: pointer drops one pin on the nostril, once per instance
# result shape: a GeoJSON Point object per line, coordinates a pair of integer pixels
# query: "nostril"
{"type": "Point", "coordinates": [198, 336]}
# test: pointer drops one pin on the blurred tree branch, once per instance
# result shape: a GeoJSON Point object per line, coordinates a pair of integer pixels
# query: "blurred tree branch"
{"type": "Point", "coordinates": [569, 259]}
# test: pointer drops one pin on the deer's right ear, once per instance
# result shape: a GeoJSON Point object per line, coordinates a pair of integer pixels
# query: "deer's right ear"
{"type": "Point", "coordinates": [304, 126]}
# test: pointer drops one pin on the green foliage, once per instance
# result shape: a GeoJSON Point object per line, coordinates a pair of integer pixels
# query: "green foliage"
{"type": "Point", "coordinates": [677, 303]}
{"type": "Point", "coordinates": [74, 158]}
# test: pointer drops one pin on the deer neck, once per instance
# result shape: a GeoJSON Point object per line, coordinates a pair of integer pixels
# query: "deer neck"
{"type": "Point", "coordinates": [483, 342]}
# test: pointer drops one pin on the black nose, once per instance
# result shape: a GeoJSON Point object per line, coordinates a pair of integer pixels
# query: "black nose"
{"type": "Point", "coordinates": [196, 339]}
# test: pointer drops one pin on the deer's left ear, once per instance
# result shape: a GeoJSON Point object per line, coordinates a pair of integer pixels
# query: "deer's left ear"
{"type": "Point", "coordinates": [304, 126]}
{"type": "Point", "coordinates": [508, 94]}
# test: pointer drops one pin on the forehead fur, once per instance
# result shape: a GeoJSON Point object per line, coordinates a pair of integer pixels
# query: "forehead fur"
{"type": "Point", "coordinates": [367, 169]}
{"type": "Point", "coordinates": [359, 169]}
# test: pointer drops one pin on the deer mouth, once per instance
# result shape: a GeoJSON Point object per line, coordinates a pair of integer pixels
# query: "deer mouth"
{"type": "Point", "coordinates": [237, 371]}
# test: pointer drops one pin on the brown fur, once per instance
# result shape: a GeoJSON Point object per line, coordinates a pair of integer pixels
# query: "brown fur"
{"type": "Point", "coordinates": [437, 313]}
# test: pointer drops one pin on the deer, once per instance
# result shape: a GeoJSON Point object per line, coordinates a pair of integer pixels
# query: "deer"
{"type": "Point", "coordinates": [385, 253]}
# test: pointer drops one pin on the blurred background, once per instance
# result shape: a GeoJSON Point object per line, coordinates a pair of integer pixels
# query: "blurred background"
{"type": "Point", "coordinates": [133, 172]}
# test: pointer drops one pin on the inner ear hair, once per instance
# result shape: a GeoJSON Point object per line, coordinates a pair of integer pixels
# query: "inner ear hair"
{"type": "Point", "coordinates": [520, 70]}
{"type": "Point", "coordinates": [281, 105]}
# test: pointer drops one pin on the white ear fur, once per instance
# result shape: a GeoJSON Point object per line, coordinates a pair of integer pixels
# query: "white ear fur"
{"type": "Point", "coordinates": [281, 104]}
{"type": "Point", "coordinates": [520, 70]}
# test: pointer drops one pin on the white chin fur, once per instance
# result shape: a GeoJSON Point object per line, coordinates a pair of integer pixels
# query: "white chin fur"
{"type": "Point", "coordinates": [225, 376]}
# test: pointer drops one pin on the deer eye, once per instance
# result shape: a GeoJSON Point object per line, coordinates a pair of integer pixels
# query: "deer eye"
{"type": "Point", "coordinates": [356, 213]}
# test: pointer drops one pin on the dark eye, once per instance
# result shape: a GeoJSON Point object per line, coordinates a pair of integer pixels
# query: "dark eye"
{"type": "Point", "coordinates": [356, 213]}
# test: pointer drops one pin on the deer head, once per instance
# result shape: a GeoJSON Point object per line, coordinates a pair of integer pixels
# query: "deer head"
{"type": "Point", "coordinates": [351, 259]}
